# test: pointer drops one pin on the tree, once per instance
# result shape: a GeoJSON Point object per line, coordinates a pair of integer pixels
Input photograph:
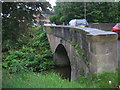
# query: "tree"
{"type": "Point", "coordinates": [18, 16]}
{"type": "Point", "coordinates": [69, 10]}
{"type": "Point", "coordinates": [53, 18]}
{"type": "Point", "coordinates": [62, 18]}
{"type": "Point", "coordinates": [102, 12]}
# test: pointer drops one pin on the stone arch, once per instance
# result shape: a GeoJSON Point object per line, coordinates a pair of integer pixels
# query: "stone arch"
{"type": "Point", "coordinates": [77, 65]}
{"type": "Point", "coordinates": [61, 59]}
{"type": "Point", "coordinates": [60, 56]}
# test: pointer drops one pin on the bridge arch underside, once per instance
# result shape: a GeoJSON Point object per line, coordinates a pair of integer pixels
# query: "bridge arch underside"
{"type": "Point", "coordinates": [62, 61]}
{"type": "Point", "coordinates": [60, 56]}
{"type": "Point", "coordinates": [64, 54]}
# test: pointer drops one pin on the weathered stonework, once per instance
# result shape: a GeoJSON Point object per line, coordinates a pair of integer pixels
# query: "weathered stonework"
{"type": "Point", "coordinates": [99, 47]}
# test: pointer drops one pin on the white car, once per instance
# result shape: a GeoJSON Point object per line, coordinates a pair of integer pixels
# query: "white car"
{"type": "Point", "coordinates": [79, 22]}
{"type": "Point", "coordinates": [50, 24]}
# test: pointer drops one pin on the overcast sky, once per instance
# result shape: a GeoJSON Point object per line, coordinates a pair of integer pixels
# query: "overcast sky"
{"type": "Point", "coordinates": [52, 2]}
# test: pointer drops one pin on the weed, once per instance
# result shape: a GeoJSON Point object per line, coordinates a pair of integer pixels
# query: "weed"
{"type": "Point", "coordinates": [54, 80]}
{"type": "Point", "coordinates": [34, 53]}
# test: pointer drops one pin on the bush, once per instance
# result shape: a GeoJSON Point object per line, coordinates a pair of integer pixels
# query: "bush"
{"type": "Point", "coordinates": [33, 55]}
{"type": "Point", "coordinates": [55, 19]}
{"type": "Point", "coordinates": [25, 59]}
{"type": "Point", "coordinates": [63, 19]}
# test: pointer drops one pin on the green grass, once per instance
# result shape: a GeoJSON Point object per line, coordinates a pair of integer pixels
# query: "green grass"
{"type": "Point", "coordinates": [53, 80]}
{"type": "Point", "coordinates": [32, 80]}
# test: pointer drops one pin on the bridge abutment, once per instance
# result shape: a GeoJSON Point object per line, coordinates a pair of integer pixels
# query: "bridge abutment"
{"type": "Point", "coordinates": [99, 47]}
{"type": "Point", "coordinates": [103, 53]}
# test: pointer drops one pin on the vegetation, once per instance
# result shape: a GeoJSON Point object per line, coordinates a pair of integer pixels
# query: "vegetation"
{"type": "Point", "coordinates": [79, 51]}
{"type": "Point", "coordinates": [53, 80]}
{"type": "Point", "coordinates": [26, 51]}
{"type": "Point", "coordinates": [62, 19]}
{"type": "Point", "coordinates": [31, 53]}
{"type": "Point", "coordinates": [54, 18]}
{"type": "Point", "coordinates": [18, 16]}
{"type": "Point", "coordinates": [24, 47]}
{"type": "Point", "coordinates": [96, 12]}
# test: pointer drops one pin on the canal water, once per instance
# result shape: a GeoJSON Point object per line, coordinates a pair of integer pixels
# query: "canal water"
{"type": "Point", "coordinates": [65, 72]}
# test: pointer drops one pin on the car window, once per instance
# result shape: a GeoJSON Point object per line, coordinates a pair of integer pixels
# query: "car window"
{"type": "Point", "coordinates": [81, 22]}
{"type": "Point", "coordinates": [118, 25]}
{"type": "Point", "coordinates": [77, 22]}
{"type": "Point", "coordinates": [71, 22]}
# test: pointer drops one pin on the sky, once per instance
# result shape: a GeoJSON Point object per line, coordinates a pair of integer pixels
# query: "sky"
{"type": "Point", "coordinates": [52, 2]}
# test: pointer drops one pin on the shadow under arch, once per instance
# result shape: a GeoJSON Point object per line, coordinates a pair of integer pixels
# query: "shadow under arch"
{"type": "Point", "coordinates": [62, 62]}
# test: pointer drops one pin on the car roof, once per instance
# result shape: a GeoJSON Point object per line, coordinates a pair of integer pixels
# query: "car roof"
{"type": "Point", "coordinates": [78, 19]}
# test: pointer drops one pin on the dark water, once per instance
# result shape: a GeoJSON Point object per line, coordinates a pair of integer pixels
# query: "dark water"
{"type": "Point", "coordinates": [65, 71]}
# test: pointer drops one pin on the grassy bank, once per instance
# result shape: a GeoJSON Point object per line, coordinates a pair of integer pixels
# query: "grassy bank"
{"type": "Point", "coordinates": [53, 80]}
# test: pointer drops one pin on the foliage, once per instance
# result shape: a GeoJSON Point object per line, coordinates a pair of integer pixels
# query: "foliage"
{"type": "Point", "coordinates": [31, 54]}
{"type": "Point", "coordinates": [55, 19]}
{"type": "Point", "coordinates": [62, 18]}
{"type": "Point", "coordinates": [103, 79]}
{"type": "Point", "coordinates": [24, 48]}
{"type": "Point", "coordinates": [102, 12]}
{"type": "Point", "coordinates": [53, 80]}
{"type": "Point", "coordinates": [18, 16]}
{"type": "Point", "coordinates": [25, 59]}
{"type": "Point", "coordinates": [79, 51]}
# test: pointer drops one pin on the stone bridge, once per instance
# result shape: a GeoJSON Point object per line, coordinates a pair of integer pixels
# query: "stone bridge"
{"type": "Point", "coordinates": [86, 50]}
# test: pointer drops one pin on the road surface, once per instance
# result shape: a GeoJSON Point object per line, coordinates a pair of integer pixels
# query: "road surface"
{"type": "Point", "coordinates": [119, 49]}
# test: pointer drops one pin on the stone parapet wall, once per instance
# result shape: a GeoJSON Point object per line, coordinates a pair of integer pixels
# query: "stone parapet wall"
{"type": "Point", "coordinates": [100, 47]}
{"type": "Point", "coordinates": [102, 26]}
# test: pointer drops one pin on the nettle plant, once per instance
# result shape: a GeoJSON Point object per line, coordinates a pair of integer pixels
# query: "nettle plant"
{"type": "Point", "coordinates": [26, 59]}
{"type": "Point", "coordinates": [35, 56]}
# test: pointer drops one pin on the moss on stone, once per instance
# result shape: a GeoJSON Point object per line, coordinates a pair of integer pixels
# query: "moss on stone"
{"type": "Point", "coordinates": [48, 29]}
{"type": "Point", "coordinates": [80, 51]}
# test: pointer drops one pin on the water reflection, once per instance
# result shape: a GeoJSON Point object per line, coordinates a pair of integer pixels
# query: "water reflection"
{"type": "Point", "coordinates": [65, 71]}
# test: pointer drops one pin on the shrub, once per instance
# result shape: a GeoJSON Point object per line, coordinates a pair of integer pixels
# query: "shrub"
{"type": "Point", "coordinates": [33, 55]}
{"type": "Point", "coordinates": [26, 59]}
{"type": "Point", "coordinates": [62, 18]}
{"type": "Point", "coordinates": [55, 19]}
